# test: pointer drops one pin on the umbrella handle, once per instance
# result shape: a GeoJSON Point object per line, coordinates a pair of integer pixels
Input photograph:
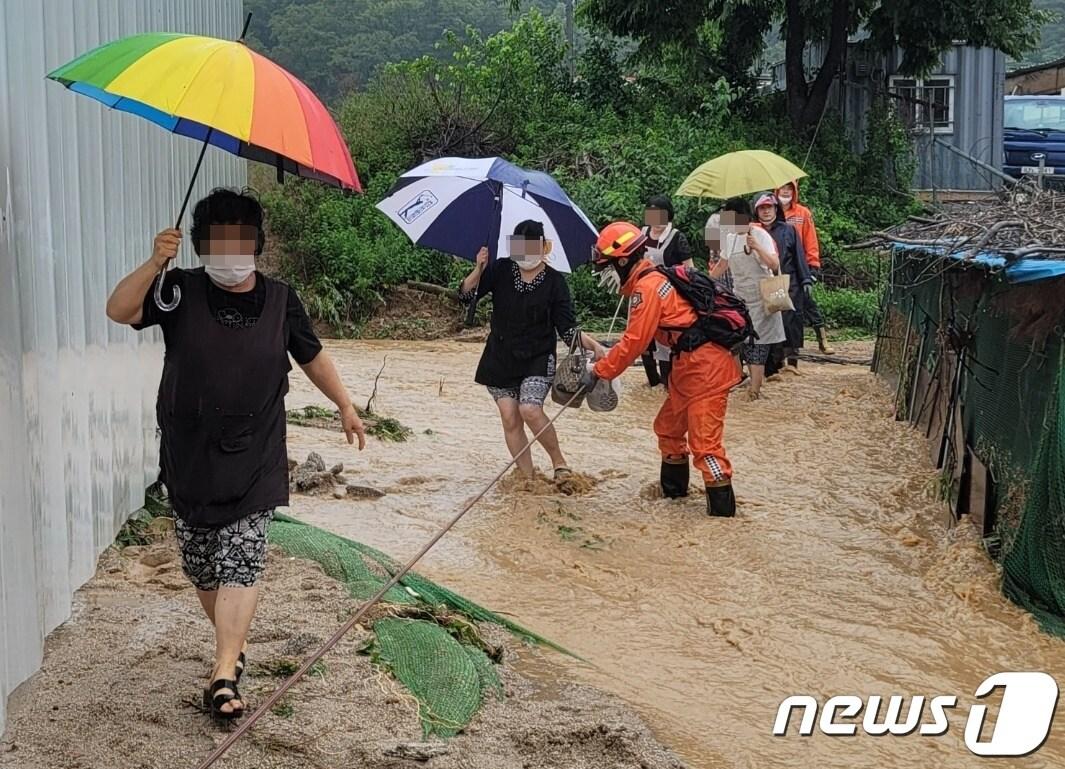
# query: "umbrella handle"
{"type": "Point", "coordinates": [161, 303]}
{"type": "Point", "coordinates": [158, 296]}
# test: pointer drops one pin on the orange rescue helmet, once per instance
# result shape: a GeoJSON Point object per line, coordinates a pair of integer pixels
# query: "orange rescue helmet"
{"type": "Point", "coordinates": [618, 240]}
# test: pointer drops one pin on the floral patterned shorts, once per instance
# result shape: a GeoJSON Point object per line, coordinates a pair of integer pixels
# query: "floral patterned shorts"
{"type": "Point", "coordinates": [233, 555]}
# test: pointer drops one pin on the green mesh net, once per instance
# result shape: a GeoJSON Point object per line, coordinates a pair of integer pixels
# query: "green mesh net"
{"type": "Point", "coordinates": [1012, 405]}
{"type": "Point", "coordinates": [1034, 568]}
{"type": "Point", "coordinates": [439, 662]}
{"type": "Point", "coordinates": [448, 679]}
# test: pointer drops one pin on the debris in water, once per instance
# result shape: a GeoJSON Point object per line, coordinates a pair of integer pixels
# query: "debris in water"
{"type": "Point", "coordinates": [573, 484]}
{"type": "Point", "coordinates": [313, 479]}
{"type": "Point", "coordinates": [385, 428]}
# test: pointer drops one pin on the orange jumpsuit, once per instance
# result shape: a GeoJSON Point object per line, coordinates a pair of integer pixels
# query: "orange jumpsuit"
{"type": "Point", "coordinates": [692, 420]}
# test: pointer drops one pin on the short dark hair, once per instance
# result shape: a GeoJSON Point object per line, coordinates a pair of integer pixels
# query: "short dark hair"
{"type": "Point", "coordinates": [225, 205]}
{"type": "Point", "coordinates": [738, 206]}
{"type": "Point", "coordinates": [530, 229]}
{"type": "Point", "coordinates": [661, 203]}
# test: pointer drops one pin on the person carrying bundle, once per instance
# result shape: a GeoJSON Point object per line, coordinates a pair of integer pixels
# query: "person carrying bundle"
{"type": "Point", "coordinates": [701, 324]}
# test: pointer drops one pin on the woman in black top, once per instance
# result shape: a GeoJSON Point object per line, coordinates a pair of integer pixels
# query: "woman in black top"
{"type": "Point", "coordinates": [792, 262]}
{"type": "Point", "coordinates": [531, 304]}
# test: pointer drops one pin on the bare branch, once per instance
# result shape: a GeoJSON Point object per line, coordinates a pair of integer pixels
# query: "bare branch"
{"type": "Point", "coordinates": [369, 402]}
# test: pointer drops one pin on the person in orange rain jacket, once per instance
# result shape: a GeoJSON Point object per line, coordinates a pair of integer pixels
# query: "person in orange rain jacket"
{"type": "Point", "coordinates": [802, 219]}
{"type": "Point", "coordinates": [691, 422]}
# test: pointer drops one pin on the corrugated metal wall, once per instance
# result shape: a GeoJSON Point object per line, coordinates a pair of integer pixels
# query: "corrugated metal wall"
{"type": "Point", "coordinates": [979, 82]}
{"type": "Point", "coordinates": [82, 193]}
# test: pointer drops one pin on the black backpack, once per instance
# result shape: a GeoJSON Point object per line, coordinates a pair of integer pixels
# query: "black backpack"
{"type": "Point", "coordinates": [723, 317]}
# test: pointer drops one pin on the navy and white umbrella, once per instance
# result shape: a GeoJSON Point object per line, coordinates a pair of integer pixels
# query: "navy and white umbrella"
{"type": "Point", "coordinates": [459, 205]}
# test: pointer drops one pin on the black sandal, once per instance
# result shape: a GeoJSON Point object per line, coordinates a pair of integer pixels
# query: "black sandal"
{"type": "Point", "coordinates": [214, 699]}
{"type": "Point", "coordinates": [241, 660]}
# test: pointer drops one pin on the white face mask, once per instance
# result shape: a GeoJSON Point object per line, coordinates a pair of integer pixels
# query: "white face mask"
{"type": "Point", "coordinates": [610, 280]}
{"type": "Point", "coordinates": [527, 262]}
{"type": "Point", "coordinates": [230, 270]}
{"type": "Point", "coordinates": [785, 200]}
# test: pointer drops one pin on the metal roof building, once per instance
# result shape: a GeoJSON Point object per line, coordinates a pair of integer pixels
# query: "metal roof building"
{"type": "Point", "coordinates": [954, 113]}
{"type": "Point", "coordinates": [82, 193]}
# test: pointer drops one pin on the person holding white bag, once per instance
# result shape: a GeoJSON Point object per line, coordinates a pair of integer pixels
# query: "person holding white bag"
{"type": "Point", "coordinates": [749, 254]}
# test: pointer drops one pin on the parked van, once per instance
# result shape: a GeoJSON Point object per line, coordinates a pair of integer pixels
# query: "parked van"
{"type": "Point", "coordinates": [1034, 131]}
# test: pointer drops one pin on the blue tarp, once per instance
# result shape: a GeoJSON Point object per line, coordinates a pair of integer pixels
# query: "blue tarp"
{"type": "Point", "coordinates": [1026, 270]}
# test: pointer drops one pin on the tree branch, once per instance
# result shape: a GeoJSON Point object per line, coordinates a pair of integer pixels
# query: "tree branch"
{"type": "Point", "coordinates": [369, 403]}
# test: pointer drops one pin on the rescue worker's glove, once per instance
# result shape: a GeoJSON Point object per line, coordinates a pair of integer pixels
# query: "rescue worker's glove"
{"type": "Point", "coordinates": [809, 289]}
{"type": "Point", "coordinates": [589, 379]}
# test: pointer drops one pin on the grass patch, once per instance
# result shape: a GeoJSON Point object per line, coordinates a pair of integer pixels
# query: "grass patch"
{"type": "Point", "coordinates": [384, 428]}
{"type": "Point", "coordinates": [135, 531]}
{"type": "Point", "coordinates": [282, 667]}
{"type": "Point", "coordinates": [283, 710]}
{"type": "Point", "coordinates": [848, 308]}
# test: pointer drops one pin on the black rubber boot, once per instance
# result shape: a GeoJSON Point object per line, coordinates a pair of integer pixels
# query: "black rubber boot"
{"type": "Point", "coordinates": [720, 501]}
{"type": "Point", "coordinates": [650, 368]}
{"type": "Point", "coordinates": [674, 479]}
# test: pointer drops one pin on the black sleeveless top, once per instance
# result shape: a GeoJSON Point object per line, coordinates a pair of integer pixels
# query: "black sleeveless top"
{"type": "Point", "coordinates": [221, 409]}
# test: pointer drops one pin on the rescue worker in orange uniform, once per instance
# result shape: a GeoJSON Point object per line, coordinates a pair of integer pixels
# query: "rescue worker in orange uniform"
{"type": "Point", "coordinates": [802, 219]}
{"type": "Point", "coordinates": [691, 423]}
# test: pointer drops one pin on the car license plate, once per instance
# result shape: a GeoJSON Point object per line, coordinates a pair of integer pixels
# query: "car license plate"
{"type": "Point", "coordinates": [1035, 170]}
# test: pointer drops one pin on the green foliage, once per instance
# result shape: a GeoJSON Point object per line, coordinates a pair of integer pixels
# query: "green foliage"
{"type": "Point", "coordinates": [336, 46]}
{"type": "Point", "coordinates": [848, 308]}
{"type": "Point", "coordinates": [726, 38]}
{"type": "Point", "coordinates": [609, 141]}
{"type": "Point", "coordinates": [1052, 42]}
{"type": "Point", "coordinates": [284, 709]}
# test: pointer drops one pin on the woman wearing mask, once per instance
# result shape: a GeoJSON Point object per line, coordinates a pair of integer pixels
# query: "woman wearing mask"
{"type": "Point", "coordinates": [792, 262]}
{"type": "Point", "coordinates": [749, 254]}
{"type": "Point", "coordinates": [666, 246]}
{"type": "Point", "coordinates": [802, 219]}
{"type": "Point", "coordinates": [531, 304]}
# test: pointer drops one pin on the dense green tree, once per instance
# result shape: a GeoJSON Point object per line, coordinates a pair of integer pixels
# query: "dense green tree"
{"type": "Point", "coordinates": [611, 141]}
{"type": "Point", "coordinates": [924, 29]}
{"type": "Point", "coordinates": [1052, 45]}
{"type": "Point", "coordinates": [335, 46]}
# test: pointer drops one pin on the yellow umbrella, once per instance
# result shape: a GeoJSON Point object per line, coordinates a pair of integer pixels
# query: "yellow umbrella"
{"type": "Point", "coordinates": [740, 173]}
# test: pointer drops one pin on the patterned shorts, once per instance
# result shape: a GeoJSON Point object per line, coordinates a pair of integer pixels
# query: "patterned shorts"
{"type": "Point", "coordinates": [233, 555]}
{"type": "Point", "coordinates": [756, 354]}
{"type": "Point", "coordinates": [533, 390]}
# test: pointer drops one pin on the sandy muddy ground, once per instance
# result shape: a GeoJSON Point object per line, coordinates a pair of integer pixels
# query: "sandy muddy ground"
{"type": "Point", "coordinates": [837, 578]}
{"type": "Point", "coordinates": [120, 688]}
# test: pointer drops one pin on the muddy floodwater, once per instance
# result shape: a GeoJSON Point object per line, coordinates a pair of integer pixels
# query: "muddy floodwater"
{"type": "Point", "coordinates": [839, 576]}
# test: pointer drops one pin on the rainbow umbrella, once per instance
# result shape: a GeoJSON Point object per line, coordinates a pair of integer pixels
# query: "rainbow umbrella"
{"type": "Point", "coordinates": [219, 92]}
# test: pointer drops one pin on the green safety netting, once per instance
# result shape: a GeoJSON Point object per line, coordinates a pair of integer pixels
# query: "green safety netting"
{"type": "Point", "coordinates": [1034, 568]}
{"type": "Point", "coordinates": [1013, 413]}
{"type": "Point", "coordinates": [439, 662]}
{"type": "Point", "coordinates": [448, 678]}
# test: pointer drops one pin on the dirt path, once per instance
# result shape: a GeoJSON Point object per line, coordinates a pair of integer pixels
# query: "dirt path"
{"type": "Point", "coordinates": [836, 579]}
{"type": "Point", "coordinates": [120, 688]}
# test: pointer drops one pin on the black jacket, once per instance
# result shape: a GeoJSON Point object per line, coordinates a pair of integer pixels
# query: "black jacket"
{"type": "Point", "coordinates": [793, 263]}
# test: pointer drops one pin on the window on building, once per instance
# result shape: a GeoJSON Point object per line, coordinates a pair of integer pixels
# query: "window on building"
{"type": "Point", "coordinates": [925, 103]}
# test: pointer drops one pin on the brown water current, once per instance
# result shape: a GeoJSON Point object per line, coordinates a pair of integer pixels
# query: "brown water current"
{"type": "Point", "coordinates": [838, 577]}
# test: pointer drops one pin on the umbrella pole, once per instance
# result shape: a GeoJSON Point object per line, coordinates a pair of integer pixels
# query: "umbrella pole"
{"type": "Point", "coordinates": [161, 303]}
{"type": "Point", "coordinates": [471, 311]}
